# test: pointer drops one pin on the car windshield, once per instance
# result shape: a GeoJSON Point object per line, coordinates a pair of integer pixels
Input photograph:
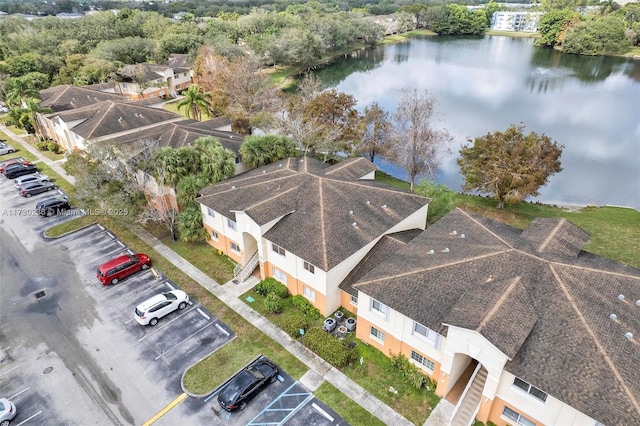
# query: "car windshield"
{"type": "Point", "coordinates": [2, 408]}
{"type": "Point", "coordinates": [170, 296]}
{"type": "Point", "coordinates": [236, 386]}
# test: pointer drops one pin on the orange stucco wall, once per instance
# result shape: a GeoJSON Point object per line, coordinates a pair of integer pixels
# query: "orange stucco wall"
{"type": "Point", "coordinates": [223, 244]}
{"type": "Point", "coordinates": [495, 414]}
{"type": "Point", "coordinates": [406, 351]}
{"type": "Point", "coordinates": [296, 286]}
{"type": "Point", "coordinates": [363, 332]}
{"type": "Point", "coordinates": [345, 302]}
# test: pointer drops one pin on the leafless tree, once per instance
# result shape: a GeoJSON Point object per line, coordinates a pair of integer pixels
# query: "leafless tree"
{"type": "Point", "coordinates": [417, 145]}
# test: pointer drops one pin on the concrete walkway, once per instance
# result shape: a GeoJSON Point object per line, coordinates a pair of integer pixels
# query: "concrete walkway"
{"type": "Point", "coordinates": [319, 370]}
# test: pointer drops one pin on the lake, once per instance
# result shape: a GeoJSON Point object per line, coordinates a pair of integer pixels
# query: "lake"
{"type": "Point", "coordinates": [591, 105]}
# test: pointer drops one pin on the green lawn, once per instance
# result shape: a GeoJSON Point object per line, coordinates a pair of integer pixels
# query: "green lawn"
{"type": "Point", "coordinates": [349, 410]}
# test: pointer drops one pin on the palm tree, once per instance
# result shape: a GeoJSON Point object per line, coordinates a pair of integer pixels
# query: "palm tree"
{"type": "Point", "coordinates": [190, 225]}
{"type": "Point", "coordinates": [189, 188]}
{"type": "Point", "coordinates": [196, 101]}
{"type": "Point", "coordinates": [216, 162]}
{"type": "Point", "coordinates": [18, 89]}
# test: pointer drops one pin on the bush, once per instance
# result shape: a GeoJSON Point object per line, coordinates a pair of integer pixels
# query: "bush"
{"type": "Point", "coordinates": [411, 372]}
{"type": "Point", "coordinates": [272, 304]}
{"type": "Point", "coordinates": [271, 286]}
{"type": "Point", "coordinates": [304, 306]}
{"type": "Point", "coordinates": [42, 145]}
{"type": "Point", "coordinates": [293, 324]}
{"type": "Point", "coordinates": [53, 147]}
{"type": "Point", "coordinates": [334, 351]}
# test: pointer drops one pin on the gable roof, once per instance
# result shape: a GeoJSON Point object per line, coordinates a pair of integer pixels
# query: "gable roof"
{"type": "Point", "coordinates": [67, 97]}
{"type": "Point", "coordinates": [336, 213]}
{"type": "Point", "coordinates": [179, 61]}
{"type": "Point", "coordinates": [108, 117]}
{"type": "Point", "coordinates": [587, 361]}
{"type": "Point", "coordinates": [555, 236]}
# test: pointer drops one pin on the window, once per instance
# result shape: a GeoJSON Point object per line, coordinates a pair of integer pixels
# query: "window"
{"type": "Point", "coordinates": [124, 85]}
{"type": "Point", "coordinates": [235, 247]}
{"type": "Point", "coordinates": [377, 334]}
{"type": "Point", "coordinates": [176, 76]}
{"type": "Point", "coordinates": [185, 74]}
{"type": "Point", "coordinates": [278, 249]}
{"type": "Point", "coordinates": [308, 267]}
{"type": "Point", "coordinates": [354, 300]}
{"type": "Point", "coordinates": [210, 212]}
{"type": "Point", "coordinates": [214, 235]}
{"type": "Point", "coordinates": [279, 275]}
{"type": "Point", "coordinates": [517, 417]}
{"type": "Point", "coordinates": [428, 364]}
{"type": "Point", "coordinates": [237, 160]}
{"type": "Point", "coordinates": [159, 81]}
{"type": "Point", "coordinates": [425, 332]}
{"type": "Point", "coordinates": [309, 294]}
{"type": "Point", "coordinates": [531, 390]}
{"type": "Point", "coordinates": [379, 308]}
{"type": "Point", "coordinates": [232, 224]}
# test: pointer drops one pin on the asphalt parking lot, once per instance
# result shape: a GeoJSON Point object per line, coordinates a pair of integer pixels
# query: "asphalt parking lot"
{"type": "Point", "coordinates": [76, 355]}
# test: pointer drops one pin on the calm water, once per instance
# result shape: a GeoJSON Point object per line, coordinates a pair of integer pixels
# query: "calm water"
{"type": "Point", "coordinates": [482, 85]}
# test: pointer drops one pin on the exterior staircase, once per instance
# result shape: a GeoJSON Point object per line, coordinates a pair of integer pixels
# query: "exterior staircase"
{"type": "Point", "coordinates": [241, 273]}
{"type": "Point", "coordinates": [467, 408]}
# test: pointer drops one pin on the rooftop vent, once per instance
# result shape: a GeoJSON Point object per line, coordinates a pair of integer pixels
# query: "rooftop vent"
{"type": "Point", "coordinates": [280, 165]}
{"type": "Point", "coordinates": [462, 236]}
{"type": "Point", "coordinates": [638, 302]}
{"type": "Point", "coordinates": [302, 160]}
{"type": "Point", "coordinates": [73, 100]}
{"type": "Point", "coordinates": [120, 119]}
{"type": "Point", "coordinates": [264, 171]}
{"type": "Point", "coordinates": [489, 279]}
{"type": "Point", "coordinates": [430, 252]}
{"type": "Point", "coordinates": [351, 212]}
{"type": "Point", "coordinates": [613, 317]}
{"type": "Point", "coordinates": [384, 206]}
{"type": "Point", "coordinates": [354, 224]}
{"type": "Point", "coordinates": [628, 335]}
{"type": "Point", "coordinates": [621, 297]}
{"type": "Point", "coordinates": [233, 187]}
{"type": "Point", "coordinates": [368, 202]}
{"type": "Point", "coordinates": [446, 250]}
{"type": "Point", "coordinates": [454, 232]}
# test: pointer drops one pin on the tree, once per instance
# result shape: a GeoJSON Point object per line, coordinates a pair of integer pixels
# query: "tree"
{"type": "Point", "coordinates": [28, 86]}
{"type": "Point", "coordinates": [599, 36]}
{"type": "Point", "coordinates": [417, 145]}
{"type": "Point", "coordinates": [260, 150]}
{"type": "Point", "coordinates": [553, 24]}
{"type": "Point", "coordinates": [196, 102]}
{"type": "Point", "coordinates": [215, 162]}
{"type": "Point", "coordinates": [509, 165]}
{"type": "Point", "coordinates": [376, 138]}
{"type": "Point", "coordinates": [190, 225]}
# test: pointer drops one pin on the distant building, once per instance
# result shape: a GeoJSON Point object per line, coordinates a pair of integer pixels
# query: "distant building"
{"type": "Point", "coordinates": [516, 21]}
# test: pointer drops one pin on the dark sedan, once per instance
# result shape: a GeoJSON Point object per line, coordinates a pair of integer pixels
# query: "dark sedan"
{"type": "Point", "coordinates": [34, 188]}
{"type": "Point", "coordinates": [247, 384]}
{"type": "Point", "coordinates": [52, 206]}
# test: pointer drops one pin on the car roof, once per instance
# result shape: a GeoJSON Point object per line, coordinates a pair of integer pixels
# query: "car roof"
{"type": "Point", "coordinates": [51, 201]}
{"type": "Point", "coordinates": [158, 298]}
{"type": "Point", "coordinates": [115, 261]}
{"type": "Point", "coordinates": [34, 184]}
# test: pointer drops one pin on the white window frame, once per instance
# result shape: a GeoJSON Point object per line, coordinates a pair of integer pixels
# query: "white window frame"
{"type": "Point", "coordinates": [214, 235]}
{"type": "Point", "coordinates": [376, 334]}
{"type": "Point", "coordinates": [424, 362]}
{"type": "Point", "coordinates": [428, 335]}
{"type": "Point", "coordinates": [353, 300]}
{"type": "Point", "coordinates": [210, 212]}
{"type": "Point", "coordinates": [528, 390]}
{"type": "Point", "coordinates": [309, 293]}
{"type": "Point", "coordinates": [232, 224]}
{"type": "Point", "coordinates": [235, 247]}
{"type": "Point", "coordinates": [279, 275]}
{"type": "Point", "coordinates": [308, 267]}
{"type": "Point", "coordinates": [382, 309]}
{"type": "Point", "coordinates": [516, 417]}
{"type": "Point", "coordinates": [278, 250]}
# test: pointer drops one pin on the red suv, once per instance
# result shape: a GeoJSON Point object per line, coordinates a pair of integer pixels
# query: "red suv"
{"type": "Point", "coordinates": [121, 267]}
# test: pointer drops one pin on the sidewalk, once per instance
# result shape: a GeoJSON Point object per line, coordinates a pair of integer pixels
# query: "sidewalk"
{"type": "Point", "coordinates": [319, 370]}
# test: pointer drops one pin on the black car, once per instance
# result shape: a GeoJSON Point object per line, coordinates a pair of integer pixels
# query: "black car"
{"type": "Point", "coordinates": [52, 206]}
{"type": "Point", "coordinates": [23, 169]}
{"type": "Point", "coordinates": [247, 384]}
{"type": "Point", "coordinates": [33, 188]}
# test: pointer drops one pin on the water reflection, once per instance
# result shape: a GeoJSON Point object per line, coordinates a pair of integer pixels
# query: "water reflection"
{"type": "Point", "coordinates": [591, 105]}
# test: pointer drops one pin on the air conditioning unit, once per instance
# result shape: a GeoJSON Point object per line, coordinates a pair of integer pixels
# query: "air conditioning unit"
{"type": "Point", "coordinates": [350, 323]}
{"type": "Point", "coordinates": [329, 324]}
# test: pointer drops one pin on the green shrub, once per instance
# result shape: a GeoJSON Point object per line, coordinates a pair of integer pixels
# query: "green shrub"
{"type": "Point", "coordinates": [272, 303]}
{"type": "Point", "coordinates": [293, 324]}
{"type": "Point", "coordinates": [52, 147]}
{"type": "Point", "coordinates": [271, 286]}
{"type": "Point", "coordinates": [304, 306]}
{"type": "Point", "coordinates": [413, 375]}
{"type": "Point", "coordinates": [334, 351]}
{"type": "Point", "coordinates": [42, 145]}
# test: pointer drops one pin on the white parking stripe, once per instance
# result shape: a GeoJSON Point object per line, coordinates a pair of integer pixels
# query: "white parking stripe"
{"type": "Point", "coordinates": [157, 329]}
{"type": "Point", "coordinates": [183, 340]}
{"type": "Point", "coordinates": [207, 317]}
{"type": "Point", "coordinates": [23, 390]}
{"type": "Point", "coordinates": [222, 329]}
{"type": "Point", "coordinates": [120, 242]}
{"type": "Point", "coordinates": [26, 420]}
{"type": "Point", "coordinates": [5, 372]}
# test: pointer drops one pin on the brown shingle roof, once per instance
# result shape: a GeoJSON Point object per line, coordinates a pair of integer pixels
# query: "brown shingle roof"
{"type": "Point", "coordinates": [555, 236]}
{"type": "Point", "coordinates": [574, 351]}
{"type": "Point", "coordinates": [316, 210]}
{"type": "Point", "coordinates": [66, 97]}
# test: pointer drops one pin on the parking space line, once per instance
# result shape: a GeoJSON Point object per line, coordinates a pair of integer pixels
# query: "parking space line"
{"type": "Point", "coordinates": [5, 372]}
{"type": "Point", "coordinates": [27, 419]}
{"type": "Point", "coordinates": [222, 330]}
{"type": "Point", "coordinates": [122, 245]}
{"type": "Point", "coordinates": [23, 390]}
{"type": "Point", "coordinates": [165, 325]}
{"type": "Point", "coordinates": [207, 317]}
{"type": "Point", "coordinates": [178, 344]}
{"type": "Point", "coordinates": [322, 412]}
{"type": "Point", "coordinates": [165, 410]}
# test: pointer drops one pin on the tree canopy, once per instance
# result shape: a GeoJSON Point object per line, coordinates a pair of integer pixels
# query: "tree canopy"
{"type": "Point", "coordinates": [260, 150]}
{"type": "Point", "coordinates": [509, 165]}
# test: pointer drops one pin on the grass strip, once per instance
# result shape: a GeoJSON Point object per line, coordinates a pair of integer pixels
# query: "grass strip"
{"type": "Point", "coordinates": [349, 410]}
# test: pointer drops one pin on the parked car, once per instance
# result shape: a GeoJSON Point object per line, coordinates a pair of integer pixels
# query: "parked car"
{"type": "Point", "coordinates": [33, 188]}
{"type": "Point", "coordinates": [160, 305]}
{"type": "Point", "coordinates": [12, 161]}
{"type": "Point", "coordinates": [34, 177]}
{"type": "Point", "coordinates": [6, 149]}
{"type": "Point", "coordinates": [24, 169]}
{"type": "Point", "coordinates": [247, 384]}
{"type": "Point", "coordinates": [52, 206]}
{"type": "Point", "coordinates": [7, 411]}
{"type": "Point", "coordinates": [117, 269]}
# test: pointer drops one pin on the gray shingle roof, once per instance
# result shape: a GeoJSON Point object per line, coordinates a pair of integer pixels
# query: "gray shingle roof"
{"type": "Point", "coordinates": [66, 97]}
{"type": "Point", "coordinates": [573, 351]}
{"type": "Point", "coordinates": [565, 239]}
{"type": "Point", "coordinates": [317, 210]}
{"type": "Point", "coordinates": [179, 60]}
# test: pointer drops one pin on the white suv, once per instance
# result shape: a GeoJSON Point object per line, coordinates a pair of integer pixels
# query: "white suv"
{"type": "Point", "coordinates": [151, 310]}
{"type": "Point", "coordinates": [34, 177]}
